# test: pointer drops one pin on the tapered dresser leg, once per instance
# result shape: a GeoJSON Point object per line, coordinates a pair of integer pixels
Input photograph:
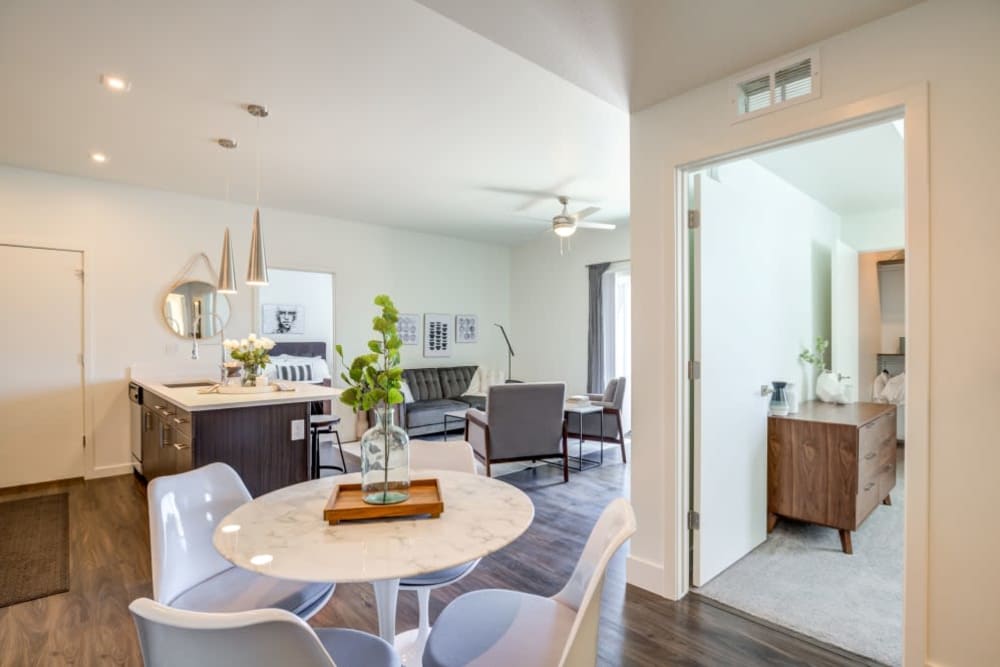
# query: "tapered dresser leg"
{"type": "Point", "coordinates": [845, 542]}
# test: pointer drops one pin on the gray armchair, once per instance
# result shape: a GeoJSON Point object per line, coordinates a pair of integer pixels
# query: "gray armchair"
{"type": "Point", "coordinates": [524, 422]}
{"type": "Point", "coordinates": [610, 420]}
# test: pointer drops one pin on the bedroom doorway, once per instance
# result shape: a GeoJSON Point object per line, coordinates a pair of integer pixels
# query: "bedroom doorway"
{"type": "Point", "coordinates": [42, 409]}
{"type": "Point", "coordinates": [779, 242]}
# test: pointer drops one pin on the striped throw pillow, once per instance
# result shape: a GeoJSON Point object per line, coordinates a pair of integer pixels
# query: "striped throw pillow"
{"type": "Point", "coordinates": [295, 373]}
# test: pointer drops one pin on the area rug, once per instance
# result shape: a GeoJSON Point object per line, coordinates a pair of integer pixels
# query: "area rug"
{"type": "Point", "coordinates": [34, 548]}
{"type": "Point", "coordinates": [800, 579]}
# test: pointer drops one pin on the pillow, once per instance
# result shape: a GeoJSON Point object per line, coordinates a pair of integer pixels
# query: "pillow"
{"type": "Point", "coordinates": [320, 370]}
{"type": "Point", "coordinates": [475, 384]}
{"type": "Point", "coordinates": [407, 394]}
{"type": "Point", "coordinates": [295, 373]}
{"type": "Point", "coordinates": [492, 378]}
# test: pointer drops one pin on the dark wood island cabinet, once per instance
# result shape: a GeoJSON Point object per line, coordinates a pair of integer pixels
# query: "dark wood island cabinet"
{"type": "Point", "coordinates": [831, 464]}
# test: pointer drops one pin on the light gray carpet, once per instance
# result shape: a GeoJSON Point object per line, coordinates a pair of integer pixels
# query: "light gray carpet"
{"type": "Point", "coordinates": [800, 579]}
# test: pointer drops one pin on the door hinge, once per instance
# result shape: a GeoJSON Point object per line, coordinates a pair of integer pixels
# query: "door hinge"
{"type": "Point", "coordinates": [79, 359]}
{"type": "Point", "coordinates": [79, 273]}
{"type": "Point", "coordinates": [694, 370]}
{"type": "Point", "coordinates": [694, 219]}
{"type": "Point", "coordinates": [84, 438]}
{"type": "Point", "coordinates": [694, 520]}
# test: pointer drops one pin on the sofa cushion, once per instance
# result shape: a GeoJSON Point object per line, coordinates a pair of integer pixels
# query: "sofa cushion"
{"type": "Point", "coordinates": [424, 413]}
{"type": "Point", "coordinates": [424, 383]}
{"type": "Point", "coordinates": [477, 401]}
{"type": "Point", "coordinates": [455, 380]}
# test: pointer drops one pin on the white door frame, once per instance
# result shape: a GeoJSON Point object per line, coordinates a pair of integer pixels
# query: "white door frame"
{"type": "Point", "coordinates": [910, 103]}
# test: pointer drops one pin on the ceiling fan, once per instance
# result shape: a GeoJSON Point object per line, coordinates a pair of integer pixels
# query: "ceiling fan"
{"type": "Point", "coordinates": [565, 223]}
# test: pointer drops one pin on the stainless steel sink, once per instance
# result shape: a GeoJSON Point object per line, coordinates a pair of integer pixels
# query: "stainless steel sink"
{"type": "Point", "coordinates": [192, 383]}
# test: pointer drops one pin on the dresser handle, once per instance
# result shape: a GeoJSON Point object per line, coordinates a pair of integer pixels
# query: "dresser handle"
{"type": "Point", "coordinates": [887, 467]}
{"type": "Point", "coordinates": [868, 487]}
{"type": "Point", "coordinates": [178, 446]}
{"type": "Point", "coordinates": [870, 455]}
{"type": "Point", "coordinates": [178, 420]}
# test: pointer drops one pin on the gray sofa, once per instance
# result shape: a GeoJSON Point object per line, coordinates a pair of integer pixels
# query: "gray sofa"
{"type": "Point", "coordinates": [435, 392]}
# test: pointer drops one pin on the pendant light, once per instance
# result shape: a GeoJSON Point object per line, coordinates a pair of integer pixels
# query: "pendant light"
{"type": "Point", "coordinates": [257, 269]}
{"type": "Point", "coordinates": [227, 270]}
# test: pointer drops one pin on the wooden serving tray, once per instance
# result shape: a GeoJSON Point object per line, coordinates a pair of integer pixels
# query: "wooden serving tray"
{"type": "Point", "coordinates": [346, 503]}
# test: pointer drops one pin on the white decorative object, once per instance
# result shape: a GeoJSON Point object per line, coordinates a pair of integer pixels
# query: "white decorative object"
{"type": "Point", "coordinates": [466, 329]}
{"type": "Point", "coordinates": [792, 398]}
{"type": "Point", "coordinates": [829, 389]}
{"type": "Point", "coordinates": [408, 327]}
{"type": "Point", "coordinates": [437, 335]}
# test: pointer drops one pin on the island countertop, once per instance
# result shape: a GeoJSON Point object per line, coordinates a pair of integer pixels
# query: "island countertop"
{"type": "Point", "coordinates": [190, 398]}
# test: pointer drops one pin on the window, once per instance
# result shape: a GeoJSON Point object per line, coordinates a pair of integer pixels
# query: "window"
{"type": "Point", "coordinates": [771, 87]}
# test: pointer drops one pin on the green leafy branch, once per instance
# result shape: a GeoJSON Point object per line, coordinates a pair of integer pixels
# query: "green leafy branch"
{"type": "Point", "coordinates": [375, 379]}
{"type": "Point", "coordinates": [818, 357]}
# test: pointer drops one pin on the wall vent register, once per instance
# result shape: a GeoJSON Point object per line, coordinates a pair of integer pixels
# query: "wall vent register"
{"type": "Point", "coordinates": [773, 87]}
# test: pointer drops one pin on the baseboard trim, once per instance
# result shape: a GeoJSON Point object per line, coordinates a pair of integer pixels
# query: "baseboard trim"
{"type": "Point", "coordinates": [110, 471]}
{"type": "Point", "coordinates": [645, 574]}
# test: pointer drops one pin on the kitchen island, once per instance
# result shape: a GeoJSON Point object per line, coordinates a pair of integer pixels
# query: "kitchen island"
{"type": "Point", "coordinates": [263, 436]}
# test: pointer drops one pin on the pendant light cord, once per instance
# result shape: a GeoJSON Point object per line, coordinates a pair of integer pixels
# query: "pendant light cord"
{"type": "Point", "coordinates": [258, 161]}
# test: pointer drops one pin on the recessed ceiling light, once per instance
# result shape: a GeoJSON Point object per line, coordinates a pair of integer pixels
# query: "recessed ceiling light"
{"type": "Point", "coordinates": [115, 84]}
{"type": "Point", "coordinates": [99, 158]}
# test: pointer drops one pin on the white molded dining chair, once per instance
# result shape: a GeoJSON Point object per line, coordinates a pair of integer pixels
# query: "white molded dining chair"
{"type": "Point", "coordinates": [501, 627]}
{"type": "Point", "coordinates": [457, 456]}
{"type": "Point", "coordinates": [188, 573]}
{"type": "Point", "coordinates": [259, 638]}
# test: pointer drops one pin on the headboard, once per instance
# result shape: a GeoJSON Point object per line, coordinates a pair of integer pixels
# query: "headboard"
{"type": "Point", "coordinates": [315, 348]}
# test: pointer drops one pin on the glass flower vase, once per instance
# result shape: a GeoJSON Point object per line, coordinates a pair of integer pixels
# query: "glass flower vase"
{"type": "Point", "coordinates": [250, 373]}
{"type": "Point", "coordinates": [385, 461]}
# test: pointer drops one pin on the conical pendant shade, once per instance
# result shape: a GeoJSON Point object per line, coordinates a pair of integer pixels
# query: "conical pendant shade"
{"type": "Point", "coordinates": [257, 270]}
{"type": "Point", "coordinates": [227, 272]}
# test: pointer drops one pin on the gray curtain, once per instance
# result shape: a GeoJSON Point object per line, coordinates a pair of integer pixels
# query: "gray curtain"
{"type": "Point", "coordinates": [595, 329]}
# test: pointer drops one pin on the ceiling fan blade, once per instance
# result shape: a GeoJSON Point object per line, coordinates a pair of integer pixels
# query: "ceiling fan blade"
{"type": "Point", "coordinates": [583, 213]}
{"type": "Point", "coordinates": [594, 225]}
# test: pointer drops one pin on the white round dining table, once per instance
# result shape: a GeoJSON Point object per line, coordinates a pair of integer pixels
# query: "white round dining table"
{"type": "Point", "coordinates": [283, 534]}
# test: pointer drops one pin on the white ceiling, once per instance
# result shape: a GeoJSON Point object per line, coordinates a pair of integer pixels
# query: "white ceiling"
{"type": "Point", "coordinates": [383, 112]}
{"type": "Point", "coordinates": [634, 53]}
{"type": "Point", "coordinates": [851, 173]}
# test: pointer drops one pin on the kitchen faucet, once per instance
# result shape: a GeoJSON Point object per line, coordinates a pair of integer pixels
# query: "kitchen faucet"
{"type": "Point", "coordinates": [222, 340]}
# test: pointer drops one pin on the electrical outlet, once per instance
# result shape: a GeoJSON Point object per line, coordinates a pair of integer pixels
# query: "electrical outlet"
{"type": "Point", "coordinates": [298, 429]}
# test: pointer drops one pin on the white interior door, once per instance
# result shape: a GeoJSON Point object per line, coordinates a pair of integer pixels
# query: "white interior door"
{"type": "Point", "coordinates": [729, 416]}
{"type": "Point", "coordinates": [41, 401]}
{"type": "Point", "coordinates": [844, 317]}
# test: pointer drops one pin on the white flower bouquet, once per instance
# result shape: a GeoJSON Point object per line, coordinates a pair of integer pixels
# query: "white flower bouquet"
{"type": "Point", "coordinates": [252, 352]}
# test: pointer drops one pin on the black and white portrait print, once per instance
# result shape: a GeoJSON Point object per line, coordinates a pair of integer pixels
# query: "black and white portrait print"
{"type": "Point", "coordinates": [282, 319]}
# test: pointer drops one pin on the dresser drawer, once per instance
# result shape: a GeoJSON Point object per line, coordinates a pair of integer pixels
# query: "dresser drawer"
{"type": "Point", "coordinates": [886, 479]}
{"type": "Point", "coordinates": [876, 432]}
{"type": "Point", "coordinates": [868, 498]}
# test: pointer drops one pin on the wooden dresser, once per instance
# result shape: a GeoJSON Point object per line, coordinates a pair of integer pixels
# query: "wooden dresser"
{"type": "Point", "coordinates": [831, 464]}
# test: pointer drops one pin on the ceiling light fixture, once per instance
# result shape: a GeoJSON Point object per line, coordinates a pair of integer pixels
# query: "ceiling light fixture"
{"type": "Point", "coordinates": [115, 84]}
{"type": "Point", "coordinates": [257, 268]}
{"type": "Point", "coordinates": [99, 158]}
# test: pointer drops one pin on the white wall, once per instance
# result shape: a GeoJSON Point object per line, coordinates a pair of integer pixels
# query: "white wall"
{"type": "Point", "coordinates": [875, 230]}
{"type": "Point", "coordinates": [136, 240]}
{"type": "Point", "coordinates": [548, 296]}
{"type": "Point", "coordinates": [953, 46]}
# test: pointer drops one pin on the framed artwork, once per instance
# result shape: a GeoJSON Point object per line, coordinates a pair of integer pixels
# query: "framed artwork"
{"type": "Point", "coordinates": [466, 329]}
{"type": "Point", "coordinates": [279, 318]}
{"type": "Point", "coordinates": [408, 327]}
{"type": "Point", "coordinates": [437, 335]}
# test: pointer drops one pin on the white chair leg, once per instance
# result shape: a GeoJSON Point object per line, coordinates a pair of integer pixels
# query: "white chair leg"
{"type": "Point", "coordinates": [424, 600]}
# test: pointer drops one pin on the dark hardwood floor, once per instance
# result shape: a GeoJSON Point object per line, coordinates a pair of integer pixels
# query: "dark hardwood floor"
{"type": "Point", "coordinates": [109, 566]}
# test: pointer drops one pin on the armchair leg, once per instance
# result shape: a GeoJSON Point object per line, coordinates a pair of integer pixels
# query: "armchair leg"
{"type": "Point", "coordinates": [565, 444]}
{"type": "Point", "coordinates": [621, 435]}
{"type": "Point", "coordinates": [488, 473]}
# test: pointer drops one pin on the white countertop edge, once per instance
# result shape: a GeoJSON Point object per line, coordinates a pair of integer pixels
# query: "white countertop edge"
{"type": "Point", "coordinates": [191, 400]}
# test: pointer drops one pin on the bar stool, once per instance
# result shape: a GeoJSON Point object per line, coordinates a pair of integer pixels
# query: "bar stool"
{"type": "Point", "coordinates": [321, 425]}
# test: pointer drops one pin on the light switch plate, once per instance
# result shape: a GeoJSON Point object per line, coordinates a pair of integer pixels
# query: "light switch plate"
{"type": "Point", "coordinates": [298, 429]}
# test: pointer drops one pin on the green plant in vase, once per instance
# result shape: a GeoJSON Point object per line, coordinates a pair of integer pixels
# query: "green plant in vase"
{"type": "Point", "coordinates": [374, 383]}
{"type": "Point", "coordinates": [816, 358]}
